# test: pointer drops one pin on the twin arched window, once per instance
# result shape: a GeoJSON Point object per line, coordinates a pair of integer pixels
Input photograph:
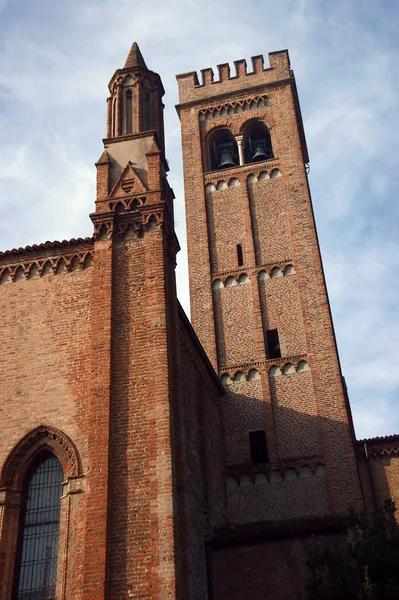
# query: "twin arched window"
{"type": "Point", "coordinates": [256, 146]}
{"type": "Point", "coordinates": [36, 569]}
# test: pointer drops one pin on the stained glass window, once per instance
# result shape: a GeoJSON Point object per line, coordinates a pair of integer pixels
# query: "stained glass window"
{"type": "Point", "coordinates": [40, 524]}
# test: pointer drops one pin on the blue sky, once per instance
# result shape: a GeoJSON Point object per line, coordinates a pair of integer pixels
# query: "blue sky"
{"type": "Point", "coordinates": [56, 59]}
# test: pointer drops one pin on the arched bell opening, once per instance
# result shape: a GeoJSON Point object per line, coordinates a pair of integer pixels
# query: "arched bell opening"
{"type": "Point", "coordinates": [223, 150]}
{"type": "Point", "coordinates": [257, 142]}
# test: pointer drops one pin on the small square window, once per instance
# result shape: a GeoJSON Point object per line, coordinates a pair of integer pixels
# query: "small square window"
{"type": "Point", "coordinates": [258, 447]}
{"type": "Point", "coordinates": [273, 344]}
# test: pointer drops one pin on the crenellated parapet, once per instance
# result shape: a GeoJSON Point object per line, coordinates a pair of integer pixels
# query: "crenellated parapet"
{"type": "Point", "coordinates": [192, 89]}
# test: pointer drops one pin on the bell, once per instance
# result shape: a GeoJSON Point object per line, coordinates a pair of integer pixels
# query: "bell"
{"type": "Point", "coordinates": [259, 154]}
{"type": "Point", "coordinates": [226, 160]}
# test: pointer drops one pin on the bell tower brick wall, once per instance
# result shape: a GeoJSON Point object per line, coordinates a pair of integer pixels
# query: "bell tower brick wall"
{"type": "Point", "coordinates": [265, 207]}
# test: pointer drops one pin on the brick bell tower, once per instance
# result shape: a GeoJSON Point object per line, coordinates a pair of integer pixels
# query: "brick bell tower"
{"type": "Point", "coordinates": [258, 297]}
{"type": "Point", "coordinates": [136, 256]}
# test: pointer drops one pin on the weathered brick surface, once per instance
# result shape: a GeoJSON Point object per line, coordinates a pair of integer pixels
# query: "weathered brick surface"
{"type": "Point", "coordinates": [296, 416]}
{"type": "Point", "coordinates": [265, 569]}
{"type": "Point", "coordinates": [236, 338]}
{"type": "Point", "coordinates": [226, 210]}
{"type": "Point", "coordinates": [45, 352]}
{"type": "Point", "coordinates": [277, 500]}
{"type": "Point", "coordinates": [243, 411]}
{"type": "Point", "coordinates": [268, 200]}
{"type": "Point", "coordinates": [204, 506]}
{"type": "Point", "coordinates": [282, 310]}
{"type": "Point", "coordinates": [379, 471]}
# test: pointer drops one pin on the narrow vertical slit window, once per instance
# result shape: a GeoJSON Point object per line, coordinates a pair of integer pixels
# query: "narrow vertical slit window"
{"type": "Point", "coordinates": [129, 111]}
{"type": "Point", "coordinates": [258, 446]}
{"type": "Point", "coordinates": [114, 118]}
{"type": "Point", "coordinates": [36, 572]}
{"type": "Point", "coordinates": [273, 344]}
{"type": "Point", "coordinates": [240, 257]}
{"type": "Point", "coordinates": [148, 111]}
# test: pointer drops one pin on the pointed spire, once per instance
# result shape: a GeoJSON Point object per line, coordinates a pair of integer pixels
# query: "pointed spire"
{"type": "Point", "coordinates": [135, 58]}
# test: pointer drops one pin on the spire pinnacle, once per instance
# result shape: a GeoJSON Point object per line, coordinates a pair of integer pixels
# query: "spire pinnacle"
{"type": "Point", "coordinates": [135, 58]}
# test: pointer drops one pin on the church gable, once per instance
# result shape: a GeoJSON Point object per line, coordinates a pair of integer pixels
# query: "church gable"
{"type": "Point", "coordinates": [128, 184]}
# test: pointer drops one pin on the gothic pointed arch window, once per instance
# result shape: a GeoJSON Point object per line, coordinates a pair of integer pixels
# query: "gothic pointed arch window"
{"type": "Point", "coordinates": [36, 567]}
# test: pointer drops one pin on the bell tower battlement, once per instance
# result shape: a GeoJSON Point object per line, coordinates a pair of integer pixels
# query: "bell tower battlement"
{"type": "Point", "coordinates": [191, 90]}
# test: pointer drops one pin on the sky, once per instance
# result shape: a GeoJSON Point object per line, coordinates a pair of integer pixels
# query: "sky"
{"type": "Point", "coordinates": [56, 59]}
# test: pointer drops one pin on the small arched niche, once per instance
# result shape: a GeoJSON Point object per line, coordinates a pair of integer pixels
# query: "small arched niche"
{"type": "Point", "coordinates": [234, 182]}
{"type": "Point", "coordinates": [257, 141]}
{"type": "Point", "coordinates": [275, 272]}
{"type": "Point", "coordinates": [306, 473]}
{"type": "Point", "coordinates": [275, 476]}
{"type": "Point", "coordinates": [289, 270]}
{"type": "Point", "coordinates": [274, 371]}
{"type": "Point", "coordinates": [302, 366]}
{"type": "Point", "coordinates": [261, 479]}
{"type": "Point", "coordinates": [217, 284]}
{"type": "Point", "coordinates": [288, 369]}
{"type": "Point", "coordinates": [5, 277]}
{"type": "Point", "coordinates": [263, 275]}
{"type": "Point", "coordinates": [252, 179]}
{"type": "Point", "coordinates": [226, 380]}
{"type": "Point", "coordinates": [239, 377]}
{"type": "Point", "coordinates": [290, 475]}
{"type": "Point", "coordinates": [230, 282]}
{"type": "Point", "coordinates": [246, 481]}
{"type": "Point", "coordinates": [253, 375]}
{"type": "Point", "coordinates": [223, 149]}
{"type": "Point", "coordinates": [47, 269]}
{"type": "Point", "coordinates": [19, 274]}
{"type": "Point", "coordinates": [243, 278]}
{"type": "Point", "coordinates": [221, 185]}
{"type": "Point", "coordinates": [320, 471]}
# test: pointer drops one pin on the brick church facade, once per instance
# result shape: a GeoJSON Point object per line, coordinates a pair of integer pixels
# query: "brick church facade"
{"type": "Point", "coordinates": [142, 456]}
